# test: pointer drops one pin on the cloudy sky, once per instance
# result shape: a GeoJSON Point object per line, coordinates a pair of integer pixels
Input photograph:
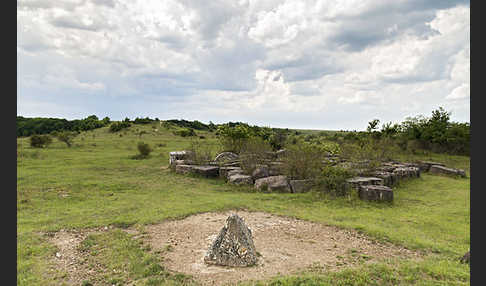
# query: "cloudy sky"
{"type": "Point", "coordinates": [324, 64]}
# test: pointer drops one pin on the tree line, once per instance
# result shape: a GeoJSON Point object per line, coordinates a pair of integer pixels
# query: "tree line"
{"type": "Point", "coordinates": [38, 125]}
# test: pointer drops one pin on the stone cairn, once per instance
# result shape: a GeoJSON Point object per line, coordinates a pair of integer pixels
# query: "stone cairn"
{"type": "Point", "coordinates": [371, 185]}
{"type": "Point", "coordinates": [233, 246]}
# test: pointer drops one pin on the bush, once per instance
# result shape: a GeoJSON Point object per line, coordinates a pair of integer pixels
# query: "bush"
{"type": "Point", "coordinates": [117, 126]}
{"type": "Point", "coordinates": [332, 180]}
{"type": "Point", "coordinates": [302, 161]}
{"type": "Point", "coordinates": [39, 141]}
{"type": "Point", "coordinates": [369, 150]}
{"type": "Point", "coordinates": [254, 152]}
{"type": "Point", "coordinates": [201, 153]}
{"type": "Point", "coordinates": [184, 132]}
{"type": "Point", "coordinates": [143, 149]}
{"type": "Point", "coordinates": [66, 137]}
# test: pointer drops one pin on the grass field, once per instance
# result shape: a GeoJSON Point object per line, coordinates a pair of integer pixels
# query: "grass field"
{"type": "Point", "coordinates": [97, 183]}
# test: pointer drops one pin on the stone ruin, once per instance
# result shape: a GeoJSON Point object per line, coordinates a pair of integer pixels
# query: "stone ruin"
{"type": "Point", "coordinates": [233, 246]}
{"type": "Point", "coordinates": [376, 184]}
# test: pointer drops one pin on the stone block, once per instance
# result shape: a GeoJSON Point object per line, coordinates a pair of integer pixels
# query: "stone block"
{"type": "Point", "coordinates": [206, 171]}
{"type": "Point", "coordinates": [375, 193]}
{"type": "Point", "coordinates": [273, 184]}
{"type": "Point", "coordinates": [240, 179]}
{"type": "Point", "coordinates": [436, 169]}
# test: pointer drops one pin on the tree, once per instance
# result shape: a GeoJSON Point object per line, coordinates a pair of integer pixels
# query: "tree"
{"type": "Point", "coordinates": [373, 125]}
{"type": "Point", "coordinates": [106, 120]}
{"type": "Point", "coordinates": [233, 138]}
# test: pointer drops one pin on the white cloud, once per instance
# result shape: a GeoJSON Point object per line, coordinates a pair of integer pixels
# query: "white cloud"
{"type": "Point", "coordinates": [460, 92]}
{"type": "Point", "coordinates": [279, 61]}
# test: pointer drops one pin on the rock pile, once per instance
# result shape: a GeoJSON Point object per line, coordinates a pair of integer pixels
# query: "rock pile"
{"type": "Point", "coordinates": [371, 185]}
{"type": "Point", "coordinates": [233, 246]}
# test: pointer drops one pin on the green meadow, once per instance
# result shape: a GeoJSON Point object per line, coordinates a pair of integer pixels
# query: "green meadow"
{"type": "Point", "coordinates": [97, 183]}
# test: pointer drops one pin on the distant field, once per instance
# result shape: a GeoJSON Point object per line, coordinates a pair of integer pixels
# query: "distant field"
{"type": "Point", "coordinates": [96, 183]}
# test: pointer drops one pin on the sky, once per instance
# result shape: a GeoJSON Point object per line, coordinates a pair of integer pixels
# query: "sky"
{"type": "Point", "coordinates": [329, 65]}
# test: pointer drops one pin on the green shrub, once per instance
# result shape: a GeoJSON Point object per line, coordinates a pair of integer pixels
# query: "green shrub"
{"type": "Point", "coordinates": [302, 161]}
{"type": "Point", "coordinates": [144, 149]}
{"type": "Point", "coordinates": [332, 180]}
{"type": "Point", "coordinates": [66, 137]}
{"type": "Point", "coordinates": [370, 150]}
{"type": "Point", "coordinates": [40, 141]}
{"type": "Point", "coordinates": [184, 132]}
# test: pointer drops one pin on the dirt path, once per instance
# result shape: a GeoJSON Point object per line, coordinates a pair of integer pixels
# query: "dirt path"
{"type": "Point", "coordinates": [286, 245]}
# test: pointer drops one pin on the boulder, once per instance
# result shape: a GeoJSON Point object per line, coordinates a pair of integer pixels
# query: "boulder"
{"type": "Point", "coordinates": [273, 184]}
{"type": "Point", "coordinates": [260, 172]}
{"type": "Point", "coordinates": [436, 169]}
{"type": "Point", "coordinates": [206, 171]}
{"type": "Point", "coordinates": [240, 179]}
{"type": "Point", "coordinates": [375, 193]}
{"type": "Point", "coordinates": [226, 156]}
{"type": "Point", "coordinates": [233, 246]}
{"type": "Point", "coordinates": [301, 186]}
{"type": "Point", "coordinates": [355, 182]}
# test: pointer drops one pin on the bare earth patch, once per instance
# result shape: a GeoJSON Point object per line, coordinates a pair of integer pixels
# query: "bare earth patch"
{"type": "Point", "coordinates": [68, 259]}
{"type": "Point", "coordinates": [286, 245]}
